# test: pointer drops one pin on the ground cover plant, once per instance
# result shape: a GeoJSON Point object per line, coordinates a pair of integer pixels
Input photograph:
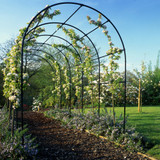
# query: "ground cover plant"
{"type": "Point", "coordinates": [58, 142]}
{"type": "Point", "coordinates": [11, 145]}
{"type": "Point", "coordinates": [100, 125]}
{"type": "Point", "coordinates": [147, 123]}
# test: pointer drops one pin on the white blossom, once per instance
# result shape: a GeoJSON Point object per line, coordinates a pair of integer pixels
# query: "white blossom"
{"type": "Point", "coordinates": [25, 76]}
{"type": "Point", "coordinates": [12, 98]}
{"type": "Point", "coordinates": [13, 107]}
{"type": "Point", "coordinates": [8, 74]}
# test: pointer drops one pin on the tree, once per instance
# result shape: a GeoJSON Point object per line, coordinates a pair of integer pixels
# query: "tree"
{"type": "Point", "coordinates": [5, 48]}
{"type": "Point", "coordinates": [150, 84]}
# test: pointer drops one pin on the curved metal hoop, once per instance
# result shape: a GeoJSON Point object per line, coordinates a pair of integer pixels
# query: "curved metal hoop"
{"type": "Point", "coordinates": [27, 31]}
{"type": "Point", "coordinates": [59, 51]}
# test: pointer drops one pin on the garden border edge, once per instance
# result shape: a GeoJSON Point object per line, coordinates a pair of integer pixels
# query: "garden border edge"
{"type": "Point", "coordinates": [102, 137]}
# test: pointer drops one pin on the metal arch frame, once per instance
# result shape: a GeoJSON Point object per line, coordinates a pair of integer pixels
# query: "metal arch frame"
{"type": "Point", "coordinates": [80, 6]}
{"type": "Point", "coordinates": [44, 59]}
{"type": "Point", "coordinates": [84, 34]}
{"type": "Point", "coordinates": [69, 66]}
{"type": "Point", "coordinates": [59, 70]}
{"type": "Point", "coordinates": [70, 44]}
{"type": "Point", "coordinates": [98, 58]}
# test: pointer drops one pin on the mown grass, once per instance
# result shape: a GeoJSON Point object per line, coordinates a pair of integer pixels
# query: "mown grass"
{"type": "Point", "coordinates": [147, 123]}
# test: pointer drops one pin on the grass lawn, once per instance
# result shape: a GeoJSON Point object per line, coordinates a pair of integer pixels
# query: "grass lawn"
{"type": "Point", "coordinates": [147, 123]}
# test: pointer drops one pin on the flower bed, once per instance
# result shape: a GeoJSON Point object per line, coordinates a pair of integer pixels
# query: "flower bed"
{"type": "Point", "coordinates": [101, 126]}
{"type": "Point", "coordinates": [11, 145]}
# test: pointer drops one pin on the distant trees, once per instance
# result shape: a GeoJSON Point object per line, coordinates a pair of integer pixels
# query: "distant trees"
{"type": "Point", "coordinates": [150, 84]}
{"type": "Point", "coordinates": [150, 87]}
{"type": "Point", "coordinates": [42, 85]}
{"type": "Point", "coordinates": [5, 48]}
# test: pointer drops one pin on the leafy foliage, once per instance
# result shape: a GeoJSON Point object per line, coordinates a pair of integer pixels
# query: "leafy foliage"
{"type": "Point", "coordinates": [12, 71]}
{"type": "Point", "coordinates": [100, 125]}
{"type": "Point", "coordinates": [11, 146]}
{"type": "Point", "coordinates": [150, 82]}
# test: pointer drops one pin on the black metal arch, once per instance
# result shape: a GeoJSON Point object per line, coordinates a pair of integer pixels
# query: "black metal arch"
{"type": "Point", "coordinates": [28, 29]}
{"type": "Point", "coordinates": [70, 44]}
{"type": "Point", "coordinates": [69, 66]}
{"type": "Point", "coordinates": [84, 35]}
{"type": "Point", "coordinates": [60, 51]}
{"type": "Point", "coordinates": [44, 60]}
{"type": "Point", "coordinates": [52, 67]}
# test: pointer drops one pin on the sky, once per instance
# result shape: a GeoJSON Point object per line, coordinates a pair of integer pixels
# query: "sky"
{"type": "Point", "coordinates": [137, 21]}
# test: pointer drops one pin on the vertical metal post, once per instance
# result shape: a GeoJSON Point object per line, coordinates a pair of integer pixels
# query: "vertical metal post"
{"type": "Point", "coordinates": [99, 88]}
{"type": "Point", "coordinates": [22, 95]}
{"type": "Point", "coordinates": [139, 96]}
{"type": "Point", "coordinates": [70, 96]}
{"type": "Point", "coordinates": [16, 117]}
{"type": "Point", "coordinates": [125, 83]}
{"type": "Point", "coordinates": [12, 125]}
{"type": "Point", "coordinates": [9, 116]}
{"type": "Point", "coordinates": [82, 88]}
{"type": "Point", "coordinates": [7, 104]}
{"type": "Point", "coordinates": [60, 90]}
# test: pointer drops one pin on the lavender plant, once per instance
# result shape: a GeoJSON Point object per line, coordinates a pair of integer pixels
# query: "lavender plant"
{"type": "Point", "coordinates": [11, 146]}
{"type": "Point", "coordinates": [100, 125]}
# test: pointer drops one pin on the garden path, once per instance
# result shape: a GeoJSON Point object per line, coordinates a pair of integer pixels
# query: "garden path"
{"type": "Point", "coordinates": [59, 143]}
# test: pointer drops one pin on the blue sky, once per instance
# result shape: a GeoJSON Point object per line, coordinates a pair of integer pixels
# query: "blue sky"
{"type": "Point", "coordinates": [137, 21]}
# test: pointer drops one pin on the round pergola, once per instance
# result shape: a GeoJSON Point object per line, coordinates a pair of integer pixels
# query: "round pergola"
{"type": "Point", "coordinates": [72, 42]}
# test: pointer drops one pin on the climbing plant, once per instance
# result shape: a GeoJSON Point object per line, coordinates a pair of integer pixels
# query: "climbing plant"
{"type": "Point", "coordinates": [77, 81]}
{"type": "Point", "coordinates": [82, 62]}
{"type": "Point", "coordinates": [12, 70]}
{"type": "Point", "coordinates": [114, 54]}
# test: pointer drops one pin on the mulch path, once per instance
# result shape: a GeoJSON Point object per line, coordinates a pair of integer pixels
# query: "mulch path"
{"type": "Point", "coordinates": [58, 143]}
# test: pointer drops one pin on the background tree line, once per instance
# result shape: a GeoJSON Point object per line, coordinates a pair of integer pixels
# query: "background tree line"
{"type": "Point", "coordinates": [41, 84]}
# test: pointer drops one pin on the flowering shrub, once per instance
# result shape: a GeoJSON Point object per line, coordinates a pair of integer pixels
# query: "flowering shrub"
{"type": "Point", "coordinates": [12, 71]}
{"type": "Point", "coordinates": [113, 56]}
{"type": "Point", "coordinates": [82, 62]}
{"type": "Point", "coordinates": [11, 146]}
{"type": "Point", "coordinates": [99, 125]}
{"type": "Point", "coordinates": [36, 104]}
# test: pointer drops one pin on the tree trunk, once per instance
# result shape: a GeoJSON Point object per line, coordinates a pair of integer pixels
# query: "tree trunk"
{"type": "Point", "coordinates": [139, 96]}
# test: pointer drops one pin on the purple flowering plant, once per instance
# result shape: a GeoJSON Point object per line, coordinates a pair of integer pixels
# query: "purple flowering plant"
{"type": "Point", "coordinates": [102, 125]}
{"type": "Point", "coordinates": [11, 145]}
